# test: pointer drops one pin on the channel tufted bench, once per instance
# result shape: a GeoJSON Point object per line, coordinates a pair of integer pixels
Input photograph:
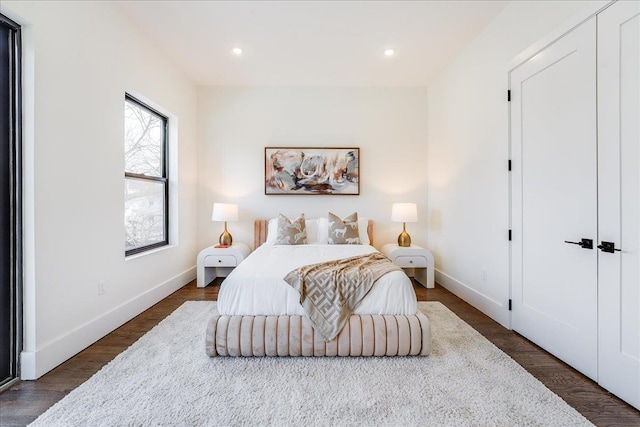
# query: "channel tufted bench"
{"type": "Point", "coordinates": [363, 335]}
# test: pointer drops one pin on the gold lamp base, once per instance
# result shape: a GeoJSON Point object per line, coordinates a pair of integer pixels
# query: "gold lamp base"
{"type": "Point", "coordinates": [225, 238]}
{"type": "Point", "coordinates": [404, 240]}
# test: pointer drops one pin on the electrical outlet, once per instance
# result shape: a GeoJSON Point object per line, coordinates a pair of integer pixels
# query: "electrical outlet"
{"type": "Point", "coordinates": [484, 274]}
{"type": "Point", "coordinates": [101, 287]}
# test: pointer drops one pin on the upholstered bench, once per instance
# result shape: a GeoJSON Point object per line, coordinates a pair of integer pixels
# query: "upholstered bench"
{"type": "Point", "coordinates": [363, 335]}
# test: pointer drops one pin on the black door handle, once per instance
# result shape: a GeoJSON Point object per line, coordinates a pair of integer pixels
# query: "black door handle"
{"type": "Point", "coordinates": [584, 244]}
{"type": "Point", "coordinates": [608, 247]}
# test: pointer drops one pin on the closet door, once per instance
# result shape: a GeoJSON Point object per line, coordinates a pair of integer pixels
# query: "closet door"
{"type": "Point", "coordinates": [619, 194]}
{"type": "Point", "coordinates": [554, 198]}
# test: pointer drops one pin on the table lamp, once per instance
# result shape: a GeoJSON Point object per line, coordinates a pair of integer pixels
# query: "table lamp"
{"type": "Point", "coordinates": [404, 212]}
{"type": "Point", "coordinates": [225, 212]}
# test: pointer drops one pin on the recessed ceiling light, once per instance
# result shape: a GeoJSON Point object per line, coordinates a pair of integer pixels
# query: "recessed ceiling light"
{"type": "Point", "coordinates": [389, 52]}
{"type": "Point", "coordinates": [236, 51]}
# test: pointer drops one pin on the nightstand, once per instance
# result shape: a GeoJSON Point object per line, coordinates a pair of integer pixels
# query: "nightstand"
{"type": "Point", "coordinates": [218, 262]}
{"type": "Point", "coordinates": [415, 257]}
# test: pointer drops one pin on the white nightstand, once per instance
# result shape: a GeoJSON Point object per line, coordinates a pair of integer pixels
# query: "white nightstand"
{"type": "Point", "coordinates": [218, 262]}
{"type": "Point", "coordinates": [415, 257]}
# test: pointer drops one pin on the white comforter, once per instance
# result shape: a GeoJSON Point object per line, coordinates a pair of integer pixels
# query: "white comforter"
{"type": "Point", "coordinates": [256, 286]}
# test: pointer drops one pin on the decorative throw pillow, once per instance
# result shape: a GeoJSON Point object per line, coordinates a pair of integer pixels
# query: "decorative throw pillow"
{"type": "Point", "coordinates": [343, 231]}
{"type": "Point", "coordinates": [310, 224]}
{"type": "Point", "coordinates": [291, 232]}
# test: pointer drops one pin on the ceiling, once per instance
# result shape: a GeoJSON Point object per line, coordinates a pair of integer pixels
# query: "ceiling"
{"type": "Point", "coordinates": [312, 43]}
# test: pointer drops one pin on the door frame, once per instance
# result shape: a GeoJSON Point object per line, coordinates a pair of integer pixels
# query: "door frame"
{"type": "Point", "coordinates": [16, 206]}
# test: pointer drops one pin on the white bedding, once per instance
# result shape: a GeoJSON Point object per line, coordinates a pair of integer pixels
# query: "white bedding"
{"type": "Point", "coordinates": [256, 286]}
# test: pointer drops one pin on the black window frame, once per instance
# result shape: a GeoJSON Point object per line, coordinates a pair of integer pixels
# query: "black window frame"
{"type": "Point", "coordinates": [164, 179]}
{"type": "Point", "coordinates": [16, 234]}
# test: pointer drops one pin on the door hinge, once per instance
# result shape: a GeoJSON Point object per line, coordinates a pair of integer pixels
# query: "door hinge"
{"type": "Point", "coordinates": [509, 305]}
{"type": "Point", "coordinates": [509, 95]}
{"type": "Point", "coordinates": [509, 165]}
{"type": "Point", "coordinates": [509, 235]}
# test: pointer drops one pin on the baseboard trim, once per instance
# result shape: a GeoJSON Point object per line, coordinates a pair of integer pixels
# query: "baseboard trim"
{"type": "Point", "coordinates": [492, 308]}
{"type": "Point", "coordinates": [35, 364]}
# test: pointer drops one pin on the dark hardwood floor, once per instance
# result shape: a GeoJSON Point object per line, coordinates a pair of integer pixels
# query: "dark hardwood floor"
{"type": "Point", "coordinates": [25, 401]}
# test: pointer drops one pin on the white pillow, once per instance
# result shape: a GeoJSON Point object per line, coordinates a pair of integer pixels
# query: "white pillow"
{"type": "Point", "coordinates": [363, 224]}
{"type": "Point", "coordinates": [312, 230]}
{"type": "Point", "coordinates": [323, 231]}
{"type": "Point", "coordinates": [310, 224]}
{"type": "Point", "coordinates": [272, 231]}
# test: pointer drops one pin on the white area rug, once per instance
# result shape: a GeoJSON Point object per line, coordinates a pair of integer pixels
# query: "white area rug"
{"type": "Point", "coordinates": [165, 379]}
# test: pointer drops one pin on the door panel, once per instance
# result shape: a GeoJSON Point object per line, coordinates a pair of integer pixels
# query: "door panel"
{"type": "Point", "coordinates": [619, 189]}
{"type": "Point", "coordinates": [553, 138]}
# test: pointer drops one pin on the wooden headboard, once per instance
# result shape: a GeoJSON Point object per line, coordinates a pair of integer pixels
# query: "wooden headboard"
{"type": "Point", "coordinates": [261, 226]}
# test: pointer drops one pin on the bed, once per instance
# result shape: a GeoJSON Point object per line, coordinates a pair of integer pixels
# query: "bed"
{"type": "Point", "coordinates": [259, 314]}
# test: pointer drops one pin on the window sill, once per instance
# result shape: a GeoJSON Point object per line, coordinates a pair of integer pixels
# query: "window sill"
{"type": "Point", "coordinates": [149, 252]}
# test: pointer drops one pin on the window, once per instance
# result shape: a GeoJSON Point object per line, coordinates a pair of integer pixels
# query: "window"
{"type": "Point", "coordinates": [10, 202]}
{"type": "Point", "coordinates": [146, 216]}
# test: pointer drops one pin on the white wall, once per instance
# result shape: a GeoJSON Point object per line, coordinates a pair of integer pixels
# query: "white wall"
{"type": "Point", "coordinates": [468, 197]}
{"type": "Point", "coordinates": [80, 58]}
{"type": "Point", "coordinates": [236, 124]}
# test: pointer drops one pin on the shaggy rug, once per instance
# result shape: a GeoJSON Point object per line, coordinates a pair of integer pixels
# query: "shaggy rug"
{"type": "Point", "coordinates": [165, 379]}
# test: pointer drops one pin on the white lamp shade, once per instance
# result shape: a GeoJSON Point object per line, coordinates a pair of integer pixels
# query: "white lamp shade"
{"type": "Point", "coordinates": [404, 212]}
{"type": "Point", "coordinates": [224, 212]}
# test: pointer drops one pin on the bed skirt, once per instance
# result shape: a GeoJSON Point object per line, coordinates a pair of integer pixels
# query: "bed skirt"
{"type": "Point", "coordinates": [363, 335]}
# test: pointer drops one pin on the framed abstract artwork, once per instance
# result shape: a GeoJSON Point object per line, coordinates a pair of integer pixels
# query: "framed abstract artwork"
{"type": "Point", "coordinates": [311, 170]}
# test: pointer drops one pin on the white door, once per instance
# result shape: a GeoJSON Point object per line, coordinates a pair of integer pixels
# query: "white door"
{"type": "Point", "coordinates": [619, 193]}
{"type": "Point", "coordinates": [553, 143]}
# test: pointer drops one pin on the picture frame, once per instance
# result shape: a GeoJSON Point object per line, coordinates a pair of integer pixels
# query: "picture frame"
{"type": "Point", "coordinates": [312, 171]}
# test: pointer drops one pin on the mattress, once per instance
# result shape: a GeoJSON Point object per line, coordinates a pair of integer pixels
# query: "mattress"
{"type": "Point", "coordinates": [256, 286]}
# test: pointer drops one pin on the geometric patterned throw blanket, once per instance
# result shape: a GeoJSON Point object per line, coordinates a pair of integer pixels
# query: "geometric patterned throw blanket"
{"type": "Point", "coordinates": [330, 291]}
